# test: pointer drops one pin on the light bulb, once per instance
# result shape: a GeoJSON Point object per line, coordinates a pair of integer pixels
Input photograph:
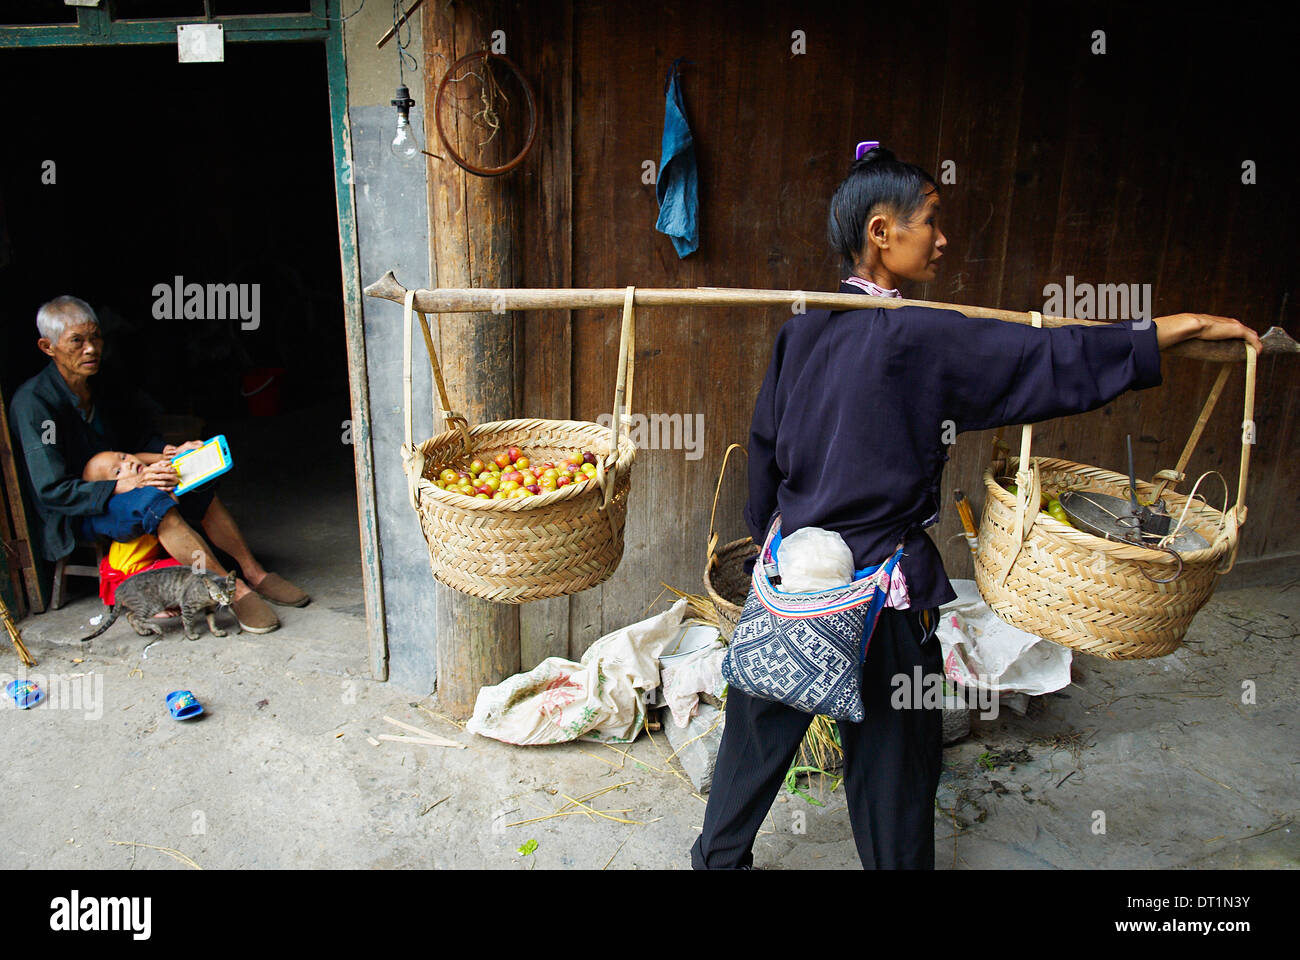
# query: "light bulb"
{"type": "Point", "coordinates": [404, 146]}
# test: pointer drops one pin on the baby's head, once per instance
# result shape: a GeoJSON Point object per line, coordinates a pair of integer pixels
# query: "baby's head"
{"type": "Point", "coordinates": [110, 465]}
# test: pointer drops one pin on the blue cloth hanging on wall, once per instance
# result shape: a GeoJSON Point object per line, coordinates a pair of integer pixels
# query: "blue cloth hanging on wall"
{"type": "Point", "coordinates": [677, 188]}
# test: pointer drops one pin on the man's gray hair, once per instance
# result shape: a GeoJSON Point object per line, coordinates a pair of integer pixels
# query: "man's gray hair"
{"type": "Point", "coordinates": [59, 313]}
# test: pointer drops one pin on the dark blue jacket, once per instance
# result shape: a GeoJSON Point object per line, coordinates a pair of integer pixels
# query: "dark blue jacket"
{"type": "Point", "coordinates": [849, 424]}
{"type": "Point", "coordinates": [56, 440]}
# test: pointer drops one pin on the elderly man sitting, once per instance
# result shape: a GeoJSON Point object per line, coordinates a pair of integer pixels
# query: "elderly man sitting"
{"type": "Point", "coordinates": [62, 422]}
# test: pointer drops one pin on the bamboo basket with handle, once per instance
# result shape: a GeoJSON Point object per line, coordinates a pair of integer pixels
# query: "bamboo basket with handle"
{"type": "Point", "coordinates": [548, 545]}
{"type": "Point", "coordinates": [1097, 596]}
{"type": "Point", "coordinates": [725, 580]}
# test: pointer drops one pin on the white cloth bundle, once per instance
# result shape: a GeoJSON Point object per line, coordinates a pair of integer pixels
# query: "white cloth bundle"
{"type": "Point", "coordinates": [601, 698]}
{"type": "Point", "coordinates": [813, 559]}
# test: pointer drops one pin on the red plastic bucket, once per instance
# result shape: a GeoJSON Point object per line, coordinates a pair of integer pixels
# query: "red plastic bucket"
{"type": "Point", "coordinates": [261, 388]}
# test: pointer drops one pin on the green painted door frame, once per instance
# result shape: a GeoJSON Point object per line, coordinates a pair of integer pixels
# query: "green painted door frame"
{"type": "Point", "coordinates": [98, 26]}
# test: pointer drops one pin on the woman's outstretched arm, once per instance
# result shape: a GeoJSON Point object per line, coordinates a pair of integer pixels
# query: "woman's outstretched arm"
{"type": "Point", "coordinates": [995, 373]}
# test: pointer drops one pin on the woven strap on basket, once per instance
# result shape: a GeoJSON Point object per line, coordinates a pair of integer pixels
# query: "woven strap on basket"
{"type": "Point", "coordinates": [1028, 482]}
{"type": "Point", "coordinates": [412, 458]}
{"type": "Point", "coordinates": [622, 394]}
{"type": "Point", "coordinates": [606, 472]}
{"type": "Point", "coordinates": [713, 534]}
{"type": "Point", "coordinates": [1028, 486]}
{"type": "Point", "coordinates": [1237, 516]}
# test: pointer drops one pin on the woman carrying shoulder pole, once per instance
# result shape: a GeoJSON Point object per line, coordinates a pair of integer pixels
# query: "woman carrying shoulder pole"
{"type": "Point", "coordinates": [849, 434]}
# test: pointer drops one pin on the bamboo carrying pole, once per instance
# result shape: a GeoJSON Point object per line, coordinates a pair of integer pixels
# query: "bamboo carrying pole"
{"type": "Point", "coordinates": [483, 300]}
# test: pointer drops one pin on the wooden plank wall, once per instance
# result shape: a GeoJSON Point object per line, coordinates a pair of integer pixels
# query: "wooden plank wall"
{"type": "Point", "coordinates": [1111, 168]}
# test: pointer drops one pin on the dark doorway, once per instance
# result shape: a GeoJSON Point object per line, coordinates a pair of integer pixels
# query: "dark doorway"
{"type": "Point", "coordinates": [216, 173]}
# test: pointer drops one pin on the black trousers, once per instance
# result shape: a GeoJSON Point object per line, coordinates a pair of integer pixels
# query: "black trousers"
{"type": "Point", "coordinates": [892, 759]}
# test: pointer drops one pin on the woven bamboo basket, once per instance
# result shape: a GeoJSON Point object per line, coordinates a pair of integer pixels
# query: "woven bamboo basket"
{"type": "Point", "coordinates": [1098, 596]}
{"type": "Point", "coordinates": [549, 545]}
{"type": "Point", "coordinates": [725, 581]}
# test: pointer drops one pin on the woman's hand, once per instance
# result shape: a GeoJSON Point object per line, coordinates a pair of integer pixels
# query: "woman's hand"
{"type": "Point", "coordinates": [1178, 327]}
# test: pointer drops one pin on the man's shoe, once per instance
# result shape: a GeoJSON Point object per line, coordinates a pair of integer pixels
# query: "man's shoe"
{"type": "Point", "coordinates": [280, 591]}
{"type": "Point", "coordinates": [254, 615]}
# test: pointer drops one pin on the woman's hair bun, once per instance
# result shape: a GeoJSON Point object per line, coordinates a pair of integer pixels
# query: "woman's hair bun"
{"type": "Point", "coordinates": [874, 155]}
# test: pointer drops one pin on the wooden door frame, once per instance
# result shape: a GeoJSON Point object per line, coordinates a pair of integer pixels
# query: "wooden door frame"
{"type": "Point", "coordinates": [97, 26]}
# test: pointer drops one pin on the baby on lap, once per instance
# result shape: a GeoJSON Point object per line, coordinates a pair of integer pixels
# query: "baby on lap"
{"type": "Point", "coordinates": [124, 560]}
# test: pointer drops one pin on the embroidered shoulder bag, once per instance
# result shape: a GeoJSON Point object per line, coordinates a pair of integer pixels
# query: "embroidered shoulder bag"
{"type": "Point", "coordinates": [806, 649]}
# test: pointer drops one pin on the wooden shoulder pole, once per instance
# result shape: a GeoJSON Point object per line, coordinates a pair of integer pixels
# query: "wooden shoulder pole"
{"type": "Point", "coordinates": [445, 300]}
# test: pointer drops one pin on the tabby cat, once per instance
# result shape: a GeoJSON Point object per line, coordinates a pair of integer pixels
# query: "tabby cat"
{"type": "Point", "coordinates": [154, 591]}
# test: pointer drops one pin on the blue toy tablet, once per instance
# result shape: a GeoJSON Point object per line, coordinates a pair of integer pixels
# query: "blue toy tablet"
{"type": "Point", "coordinates": [197, 467]}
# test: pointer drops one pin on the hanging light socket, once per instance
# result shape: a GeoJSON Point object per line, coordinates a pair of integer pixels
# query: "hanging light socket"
{"type": "Point", "coordinates": [403, 101]}
{"type": "Point", "coordinates": [404, 146]}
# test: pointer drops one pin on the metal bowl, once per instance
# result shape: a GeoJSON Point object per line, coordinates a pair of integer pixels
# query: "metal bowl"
{"type": "Point", "coordinates": [1112, 518]}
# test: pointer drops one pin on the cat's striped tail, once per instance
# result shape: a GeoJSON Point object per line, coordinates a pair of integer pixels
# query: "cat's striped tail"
{"type": "Point", "coordinates": [108, 623]}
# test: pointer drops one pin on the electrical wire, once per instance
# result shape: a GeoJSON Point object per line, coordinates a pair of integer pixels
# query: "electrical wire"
{"type": "Point", "coordinates": [402, 55]}
{"type": "Point", "coordinates": [348, 17]}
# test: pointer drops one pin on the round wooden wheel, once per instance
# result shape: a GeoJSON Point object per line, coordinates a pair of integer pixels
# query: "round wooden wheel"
{"type": "Point", "coordinates": [487, 58]}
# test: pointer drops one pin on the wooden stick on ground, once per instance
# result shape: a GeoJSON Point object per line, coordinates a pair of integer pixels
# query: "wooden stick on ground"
{"type": "Point", "coordinates": [170, 851]}
{"type": "Point", "coordinates": [484, 300]}
{"type": "Point", "coordinates": [421, 741]}
{"type": "Point", "coordinates": [424, 734]}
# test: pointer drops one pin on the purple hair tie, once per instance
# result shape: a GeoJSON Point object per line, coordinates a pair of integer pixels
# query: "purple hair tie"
{"type": "Point", "coordinates": [865, 146]}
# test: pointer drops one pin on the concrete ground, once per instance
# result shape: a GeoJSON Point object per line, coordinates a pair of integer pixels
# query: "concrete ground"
{"type": "Point", "coordinates": [1140, 764]}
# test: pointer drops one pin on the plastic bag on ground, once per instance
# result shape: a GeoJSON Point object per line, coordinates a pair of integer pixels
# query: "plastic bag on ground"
{"type": "Point", "coordinates": [982, 652]}
{"type": "Point", "coordinates": [692, 675]}
{"type": "Point", "coordinates": [601, 698]}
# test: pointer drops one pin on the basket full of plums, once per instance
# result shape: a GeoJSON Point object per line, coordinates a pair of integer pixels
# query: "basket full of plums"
{"type": "Point", "coordinates": [524, 509]}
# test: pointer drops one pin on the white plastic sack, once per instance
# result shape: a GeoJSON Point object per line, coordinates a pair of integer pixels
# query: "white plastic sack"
{"type": "Point", "coordinates": [601, 698]}
{"type": "Point", "coordinates": [813, 559]}
{"type": "Point", "coordinates": [982, 652]}
{"type": "Point", "coordinates": [688, 676]}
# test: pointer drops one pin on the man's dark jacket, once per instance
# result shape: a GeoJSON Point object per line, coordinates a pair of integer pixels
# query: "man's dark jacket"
{"type": "Point", "coordinates": [56, 440]}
